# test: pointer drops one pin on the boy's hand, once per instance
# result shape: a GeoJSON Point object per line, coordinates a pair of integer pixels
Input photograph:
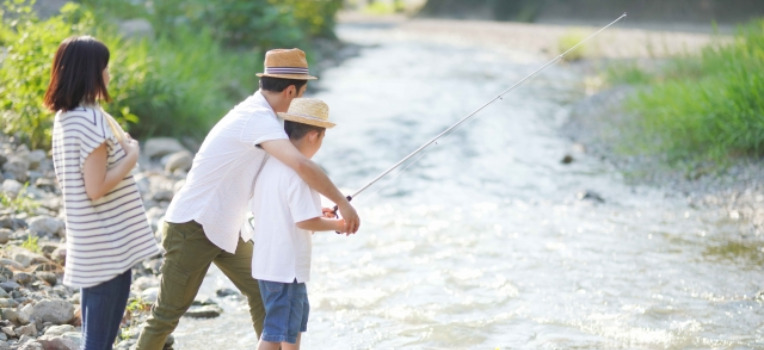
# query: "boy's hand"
{"type": "Point", "coordinates": [340, 225]}
{"type": "Point", "coordinates": [328, 213]}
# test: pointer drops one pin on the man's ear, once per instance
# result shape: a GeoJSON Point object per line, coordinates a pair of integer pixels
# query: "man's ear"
{"type": "Point", "coordinates": [290, 91]}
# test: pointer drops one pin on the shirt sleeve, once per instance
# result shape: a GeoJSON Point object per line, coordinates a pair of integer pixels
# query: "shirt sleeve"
{"type": "Point", "coordinates": [94, 135]}
{"type": "Point", "coordinates": [261, 127]}
{"type": "Point", "coordinates": [304, 203]}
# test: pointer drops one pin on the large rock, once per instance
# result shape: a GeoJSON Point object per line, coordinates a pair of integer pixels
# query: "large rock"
{"type": "Point", "coordinates": [55, 311]}
{"type": "Point", "coordinates": [11, 187]}
{"type": "Point", "coordinates": [67, 341]}
{"type": "Point", "coordinates": [17, 167]}
{"type": "Point", "coordinates": [5, 235]}
{"type": "Point", "coordinates": [178, 161]}
{"type": "Point", "coordinates": [161, 146]}
{"type": "Point", "coordinates": [35, 158]}
{"type": "Point", "coordinates": [46, 226]}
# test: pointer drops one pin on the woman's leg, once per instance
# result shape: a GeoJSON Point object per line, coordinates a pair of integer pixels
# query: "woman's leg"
{"type": "Point", "coordinates": [102, 309]}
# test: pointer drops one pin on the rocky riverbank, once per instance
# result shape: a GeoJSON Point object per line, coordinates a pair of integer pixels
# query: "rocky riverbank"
{"type": "Point", "coordinates": [38, 312]}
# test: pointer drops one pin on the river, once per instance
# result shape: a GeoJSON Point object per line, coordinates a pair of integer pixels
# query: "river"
{"type": "Point", "coordinates": [484, 242]}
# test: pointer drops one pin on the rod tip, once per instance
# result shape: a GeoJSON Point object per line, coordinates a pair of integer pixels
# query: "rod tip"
{"type": "Point", "coordinates": [624, 14]}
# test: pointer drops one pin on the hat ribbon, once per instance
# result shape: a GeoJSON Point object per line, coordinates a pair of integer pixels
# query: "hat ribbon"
{"type": "Point", "coordinates": [307, 116]}
{"type": "Point", "coordinates": [286, 70]}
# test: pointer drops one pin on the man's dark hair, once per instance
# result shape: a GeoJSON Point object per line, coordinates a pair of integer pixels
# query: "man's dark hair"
{"type": "Point", "coordinates": [77, 74]}
{"type": "Point", "coordinates": [279, 84]}
{"type": "Point", "coordinates": [296, 130]}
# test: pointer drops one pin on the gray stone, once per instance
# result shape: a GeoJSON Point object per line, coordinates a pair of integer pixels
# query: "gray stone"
{"type": "Point", "coordinates": [149, 295]}
{"type": "Point", "coordinates": [145, 282]}
{"type": "Point", "coordinates": [23, 278]}
{"type": "Point", "coordinates": [56, 311]}
{"type": "Point", "coordinates": [4, 294]}
{"type": "Point", "coordinates": [6, 221]}
{"type": "Point", "coordinates": [60, 329]}
{"type": "Point", "coordinates": [28, 329]}
{"type": "Point", "coordinates": [10, 314]}
{"type": "Point", "coordinates": [178, 161]}
{"type": "Point", "coordinates": [17, 167]}
{"type": "Point", "coordinates": [161, 146]}
{"type": "Point", "coordinates": [5, 235]}
{"type": "Point", "coordinates": [58, 342]}
{"type": "Point", "coordinates": [32, 344]}
{"type": "Point", "coordinates": [11, 188]}
{"type": "Point", "coordinates": [59, 255]}
{"type": "Point", "coordinates": [204, 311]}
{"type": "Point", "coordinates": [9, 286]}
{"type": "Point", "coordinates": [49, 277]}
{"type": "Point", "coordinates": [27, 258]}
{"type": "Point", "coordinates": [5, 272]}
{"type": "Point", "coordinates": [8, 330]}
{"type": "Point", "coordinates": [3, 337]}
{"type": "Point", "coordinates": [46, 226]}
{"type": "Point", "coordinates": [35, 158]}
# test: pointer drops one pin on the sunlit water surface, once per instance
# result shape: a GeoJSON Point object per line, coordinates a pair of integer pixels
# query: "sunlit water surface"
{"type": "Point", "coordinates": [483, 242]}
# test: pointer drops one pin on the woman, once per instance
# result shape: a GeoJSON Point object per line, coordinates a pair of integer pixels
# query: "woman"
{"type": "Point", "coordinates": [106, 227]}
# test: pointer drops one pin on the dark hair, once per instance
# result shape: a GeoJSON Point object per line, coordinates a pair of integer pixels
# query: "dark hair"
{"type": "Point", "coordinates": [296, 130]}
{"type": "Point", "coordinates": [77, 74]}
{"type": "Point", "coordinates": [279, 84]}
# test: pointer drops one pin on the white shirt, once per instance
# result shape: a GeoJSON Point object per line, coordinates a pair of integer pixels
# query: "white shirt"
{"type": "Point", "coordinates": [107, 236]}
{"type": "Point", "coordinates": [281, 199]}
{"type": "Point", "coordinates": [222, 177]}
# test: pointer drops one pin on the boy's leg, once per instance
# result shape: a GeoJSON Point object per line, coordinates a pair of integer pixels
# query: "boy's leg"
{"type": "Point", "coordinates": [188, 254]}
{"type": "Point", "coordinates": [238, 268]}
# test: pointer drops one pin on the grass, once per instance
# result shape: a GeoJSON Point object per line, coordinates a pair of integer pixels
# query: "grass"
{"type": "Point", "coordinates": [21, 203]}
{"type": "Point", "coordinates": [703, 108]}
{"type": "Point", "coordinates": [568, 41]}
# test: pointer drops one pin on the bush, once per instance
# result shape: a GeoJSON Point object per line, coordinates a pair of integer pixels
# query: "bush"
{"type": "Point", "coordinates": [708, 107]}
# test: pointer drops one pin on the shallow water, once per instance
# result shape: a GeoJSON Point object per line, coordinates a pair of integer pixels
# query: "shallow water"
{"type": "Point", "coordinates": [483, 242]}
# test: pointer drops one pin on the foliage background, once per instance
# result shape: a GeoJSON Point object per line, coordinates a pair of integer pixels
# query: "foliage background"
{"type": "Point", "coordinates": [199, 60]}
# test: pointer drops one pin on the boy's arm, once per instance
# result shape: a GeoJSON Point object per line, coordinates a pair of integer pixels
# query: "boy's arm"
{"type": "Point", "coordinates": [322, 224]}
{"type": "Point", "coordinates": [284, 151]}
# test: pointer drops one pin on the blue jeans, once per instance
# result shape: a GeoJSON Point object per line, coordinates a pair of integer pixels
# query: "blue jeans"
{"type": "Point", "coordinates": [286, 311]}
{"type": "Point", "coordinates": [102, 309]}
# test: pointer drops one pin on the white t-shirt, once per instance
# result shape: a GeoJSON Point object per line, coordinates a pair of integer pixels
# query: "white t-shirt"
{"type": "Point", "coordinates": [223, 174]}
{"type": "Point", "coordinates": [107, 236]}
{"type": "Point", "coordinates": [282, 199]}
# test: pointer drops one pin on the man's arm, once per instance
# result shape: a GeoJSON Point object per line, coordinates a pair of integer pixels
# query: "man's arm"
{"type": "Point", "coordinates": [311, 173]}
{"type": "Point", "coordinates": [321, 224]}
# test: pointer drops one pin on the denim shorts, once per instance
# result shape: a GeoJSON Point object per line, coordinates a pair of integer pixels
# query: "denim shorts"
{"type": "Point", "coordinates": [286, 311]}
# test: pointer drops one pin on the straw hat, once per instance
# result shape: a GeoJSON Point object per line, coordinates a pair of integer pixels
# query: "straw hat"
{"type": "Point", "coordinates": [286, 64]}
{"type": "Point", "coordinates": [311, 111]}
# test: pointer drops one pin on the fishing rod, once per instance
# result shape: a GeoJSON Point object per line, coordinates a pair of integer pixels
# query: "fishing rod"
{"type": "Point", "coordinates": [469, 116]}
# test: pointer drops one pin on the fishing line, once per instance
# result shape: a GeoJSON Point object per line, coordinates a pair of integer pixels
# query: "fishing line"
{"type": "Point", "coordinates": [469, 116]}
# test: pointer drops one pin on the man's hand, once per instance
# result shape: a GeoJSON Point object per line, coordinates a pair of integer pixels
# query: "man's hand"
{"type": "Point", "coordinates": [352, 221]}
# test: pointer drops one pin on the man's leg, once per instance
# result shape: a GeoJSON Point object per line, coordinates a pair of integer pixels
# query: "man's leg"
{"type": "Point", "coordinates": [188, 254]}
{"type": "Point", "coordinates": [238, 268]}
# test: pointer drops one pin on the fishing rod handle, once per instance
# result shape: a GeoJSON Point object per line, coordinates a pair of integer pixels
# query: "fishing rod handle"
{"type": "Point", "coordinates": [337, 207]}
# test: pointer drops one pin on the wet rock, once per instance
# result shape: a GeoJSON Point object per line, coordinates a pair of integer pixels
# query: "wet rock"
{"type": "Point", "coordinates": [590, 196]}
{"type": "Point", "coordinates": [178, 161]}
{"type": "Point", "coordinates": [567, 159]}
{"type": "Point", "coordinates": [46, 226]}
{"type": "Point", "coordinates": [224, 292]}
{"type": "Point", "coordinates": [161, 146]}
{"type": "Point", "coordinates": [204, 311]}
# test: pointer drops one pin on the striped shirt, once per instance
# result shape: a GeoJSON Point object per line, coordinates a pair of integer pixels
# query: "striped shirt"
{"type": "Point", "coordinates": [105, 237]}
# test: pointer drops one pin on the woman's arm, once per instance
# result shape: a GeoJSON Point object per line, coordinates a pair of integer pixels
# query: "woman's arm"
{"type": "Point", "coordinates": [99, 181]}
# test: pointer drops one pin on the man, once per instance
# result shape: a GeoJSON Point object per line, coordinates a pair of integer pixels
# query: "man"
{"type": "Point", "coordinates": [203, 221]}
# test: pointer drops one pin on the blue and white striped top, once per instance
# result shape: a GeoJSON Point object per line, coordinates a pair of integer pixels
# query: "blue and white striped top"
{"type": "Point", "coordinates": [105, 237]}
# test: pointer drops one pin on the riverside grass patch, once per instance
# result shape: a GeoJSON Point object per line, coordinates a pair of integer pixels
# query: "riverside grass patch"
{"type": "Point", "coordinates": [707, 107]}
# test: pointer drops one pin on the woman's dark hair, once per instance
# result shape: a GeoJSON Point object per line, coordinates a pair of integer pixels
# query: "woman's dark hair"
{"type": "Point", "coordinates": [77, 74]}
{"type": "Point", "coordinates": [279, 84]}
{"type": "Point", "coordinates": [296, 130]}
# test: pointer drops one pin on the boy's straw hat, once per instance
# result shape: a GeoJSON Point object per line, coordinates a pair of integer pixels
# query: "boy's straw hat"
{"type": "Point", "coordinates": [311, 111]}
{"type": "Point", "coordinates": [286, 64]}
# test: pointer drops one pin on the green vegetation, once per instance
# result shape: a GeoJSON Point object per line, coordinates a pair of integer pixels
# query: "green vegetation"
{"type": "Point", "coordinates": [568, 41]}
{"type": "Point", "coordinates": [31, 244]}
{"type": "Point", "coordinates": [200, 60]}
{"type": "Point", "coordinates": [22, 203]}
{"type": "Point", "coordinates": [707, 107]}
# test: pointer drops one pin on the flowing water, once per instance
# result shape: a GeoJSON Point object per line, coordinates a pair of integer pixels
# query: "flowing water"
{"type": "Point", "coordinates": [483, 242]}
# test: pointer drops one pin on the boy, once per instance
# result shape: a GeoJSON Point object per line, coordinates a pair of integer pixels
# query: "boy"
{"type": "Point", "coordinates": [286, 210]}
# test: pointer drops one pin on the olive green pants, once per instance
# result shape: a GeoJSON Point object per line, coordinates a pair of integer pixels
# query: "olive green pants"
{"type": "Point", "coordinates": [188, 254]}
